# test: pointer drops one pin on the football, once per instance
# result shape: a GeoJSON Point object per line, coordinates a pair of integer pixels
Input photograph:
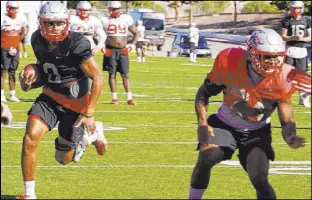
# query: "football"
{"type": "Point", "coordinates": [28, 76]}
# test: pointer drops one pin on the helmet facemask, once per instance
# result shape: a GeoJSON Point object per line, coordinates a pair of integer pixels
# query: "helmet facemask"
{"type": "Point", "coordinates": [54, 31]}
{"type": "Point", "coordinates": [84, 9]}
{"type": "Point", "coordinates": [12, 11]}
{"type": "Point", "coordinates": [266, 63]}
{"type": "Point", "coordinates": [83, 13]}
{"type": "Point", "coordinates": [114, 9]}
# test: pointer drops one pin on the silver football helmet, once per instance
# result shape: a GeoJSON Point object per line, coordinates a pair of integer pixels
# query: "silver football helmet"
{"type": "Point", "coordinates": [12, 8]}
{"type": "Point", "coordinates": [266, 51]}
{"type": "Point", "coordinates": [114, 8]}
{"type": "Point", "coordinates": [296, 8]}
{"type": "Point", "coordinates": [53, 11]}
{"type": "Point", "coordinates": [84, 9]}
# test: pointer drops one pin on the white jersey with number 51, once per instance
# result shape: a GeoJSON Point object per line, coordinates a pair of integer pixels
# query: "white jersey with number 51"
{"type": "Point", "coordinates": [117, 26]}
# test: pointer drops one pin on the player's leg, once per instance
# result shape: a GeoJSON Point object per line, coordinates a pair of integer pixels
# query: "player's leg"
{"type": "Point", "coordinates": [192, 46]}
{"type": "Point", "coordinates": [254, 156]}
{"type": "Point", "coordinates": [24, 47]}
{"type": "Point", "coordinates": [5, 63]}
{"type": "Point", "coordinates": [139, 59]}
{"type": "Point", "coordinates": [221, 147]}
{"type": "Point", "coordinates": [12, 77]}
{"type": "Point", "coordinates": [143, 52]}
{"type": "Point", "coordinates": [301, 63]}
{"type": "Point", "coordinates": [194, 55]}
{"type": "Point", "coordinates": [124, 72]}
{"type": "Point", "coordinates": [112, 70]}
{"type": "Point", "coordinates": [41, 119]}
{"type": "Point", "coordinates": [72, 141]}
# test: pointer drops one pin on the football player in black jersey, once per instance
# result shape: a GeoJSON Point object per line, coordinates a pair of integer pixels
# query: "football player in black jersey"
{"type": "Point", "coordinates": [296, 31]}
{"type": "Point", "coordinates": [64, 64]}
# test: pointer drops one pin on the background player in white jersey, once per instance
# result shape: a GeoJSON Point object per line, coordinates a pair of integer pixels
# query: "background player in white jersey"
{"type": "Point", "coordinates": [194, 37]}
{"type": "Point", "coordinates": [140, 43]}
{"type": "Point", "coordinates": [116, 52]}
{"type": "Point", "coordinates": [296, 31]}
{"type": "Point", "coordinates": [13, 29]}
{"type": "Point", "coordinates": [88, 25]}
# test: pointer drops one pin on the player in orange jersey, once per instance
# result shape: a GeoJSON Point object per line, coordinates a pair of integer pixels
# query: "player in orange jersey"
{"type": "Point", "coordinates": [13, 30]}
{"type": "Point", "coordinates": [254, 83]}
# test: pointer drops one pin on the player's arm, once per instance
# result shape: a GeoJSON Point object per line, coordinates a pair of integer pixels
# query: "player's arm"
{"type": "Point", "coordinates": [287, 38]}
{"type": "Point", "coordinates": [92, 70]}
{"type": "Point", "coordinates": [308, 37]}
{"type": "Point", "coordinates": [135, 33]}
{"type": "Point", "coordinates": [288, 124]}
{"type": "Point", "coordinates": [99, 31]}
{"type": "Point", "coordinates": [211, 87]}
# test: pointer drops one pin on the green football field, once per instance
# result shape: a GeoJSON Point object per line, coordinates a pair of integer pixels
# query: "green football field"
{"type": "Point", "coordinates": [151, 150]}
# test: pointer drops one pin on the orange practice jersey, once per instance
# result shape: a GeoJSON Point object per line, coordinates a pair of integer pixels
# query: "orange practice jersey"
{"type": "Point", "coordinates": [11, 30]}
{"type": "Point", "coordinates": [250, 102]}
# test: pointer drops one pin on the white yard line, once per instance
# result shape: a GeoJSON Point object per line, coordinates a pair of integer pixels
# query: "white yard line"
{"type": "Point", "coordinates": [306, 170]}
{"type": "Point", "coordinates": [132, 143]}
{"type": "Point", "coordinates": [155, 111]}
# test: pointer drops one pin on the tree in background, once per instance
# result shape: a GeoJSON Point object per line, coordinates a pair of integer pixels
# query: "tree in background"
{"type": "Point", "coordinates": [259, 6]}
{"type": "Point", "coordinates": [175, 5]}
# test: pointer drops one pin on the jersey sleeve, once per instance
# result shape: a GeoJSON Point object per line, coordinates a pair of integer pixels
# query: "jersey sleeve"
{"type": "Point", "coordinates": [129, 20]}
{"type": "Point", "coordinates": [215, 75]}
{"type": "Point", "coordinates": [284, 23]}
{"type": "Point", "coordinates": [97, 23]}
{"type": "Point", "coordinates": [288, 89]}
{"type": "Point", "coordinates": [308, 23]}
{"type": "Point", "coordinates": [104, 21]}
{"type": "Point", "coordinates": [36, 43]}
{"type": "Point", "coordinates": [82, 49]}
{"type": "Point", "coordinates": [24, 20]}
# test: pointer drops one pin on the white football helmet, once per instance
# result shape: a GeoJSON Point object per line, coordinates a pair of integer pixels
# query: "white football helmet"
{"type": "Point", "coordinates": [296, 8]}
{"type": "Point", "coordinates": [114, 8]}
{"type": "Point", "coordinates": [84, 9]}
{"type": "Point", "coordinates": [53, 11]}
{"type": "Point", "coordinates": [12, 8]}
{"type": "Point", "coordinates": [266, 51]}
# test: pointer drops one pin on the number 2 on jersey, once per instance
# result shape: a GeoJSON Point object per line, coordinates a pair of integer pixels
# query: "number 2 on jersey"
{"type": "Point", "coordinates": [54, 77]}
{"type": "Point", "coordinates": [113, 29]}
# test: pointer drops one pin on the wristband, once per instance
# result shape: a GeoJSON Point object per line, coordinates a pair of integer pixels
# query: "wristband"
{"type": "Point", "coordinates": [87, 116]}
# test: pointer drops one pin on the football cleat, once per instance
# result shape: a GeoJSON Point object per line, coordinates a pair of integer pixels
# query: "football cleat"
{"type": "Point", "coordinates": [27, 197]}
{"type": "Point", "coordinates": [131, 102]}
{"type": "Point", "coordinates": [304, 100]}
{"type": "Point", "coordinates": [3, 99]}
{"type": "Point", "coordinates": [100, 143]}
{"type": "Point", "coordinates": [114, 101]}
{"type": "Point", "coordinates": [14, 99]}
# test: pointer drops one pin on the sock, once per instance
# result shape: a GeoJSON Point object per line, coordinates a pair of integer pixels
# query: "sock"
{"type": "Point", "coordinates": [29, 188]}
{"type": "Point", "coordinates": [143, 59]}
{"type": "Point", "coordinates": [2, 93]}
{"type": "Point", "coordinates": [12, 93]}
{"type": "Point", "coordinates": [129, 95]}
{"type": "Point", "coordinates": [196, 193]}
{"type": "Point", "coordinates": [191, 57]}
{"type": "Point", "coordinates": [194, 57]}
{"type": "Point", "coordinates": [114, 95]}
